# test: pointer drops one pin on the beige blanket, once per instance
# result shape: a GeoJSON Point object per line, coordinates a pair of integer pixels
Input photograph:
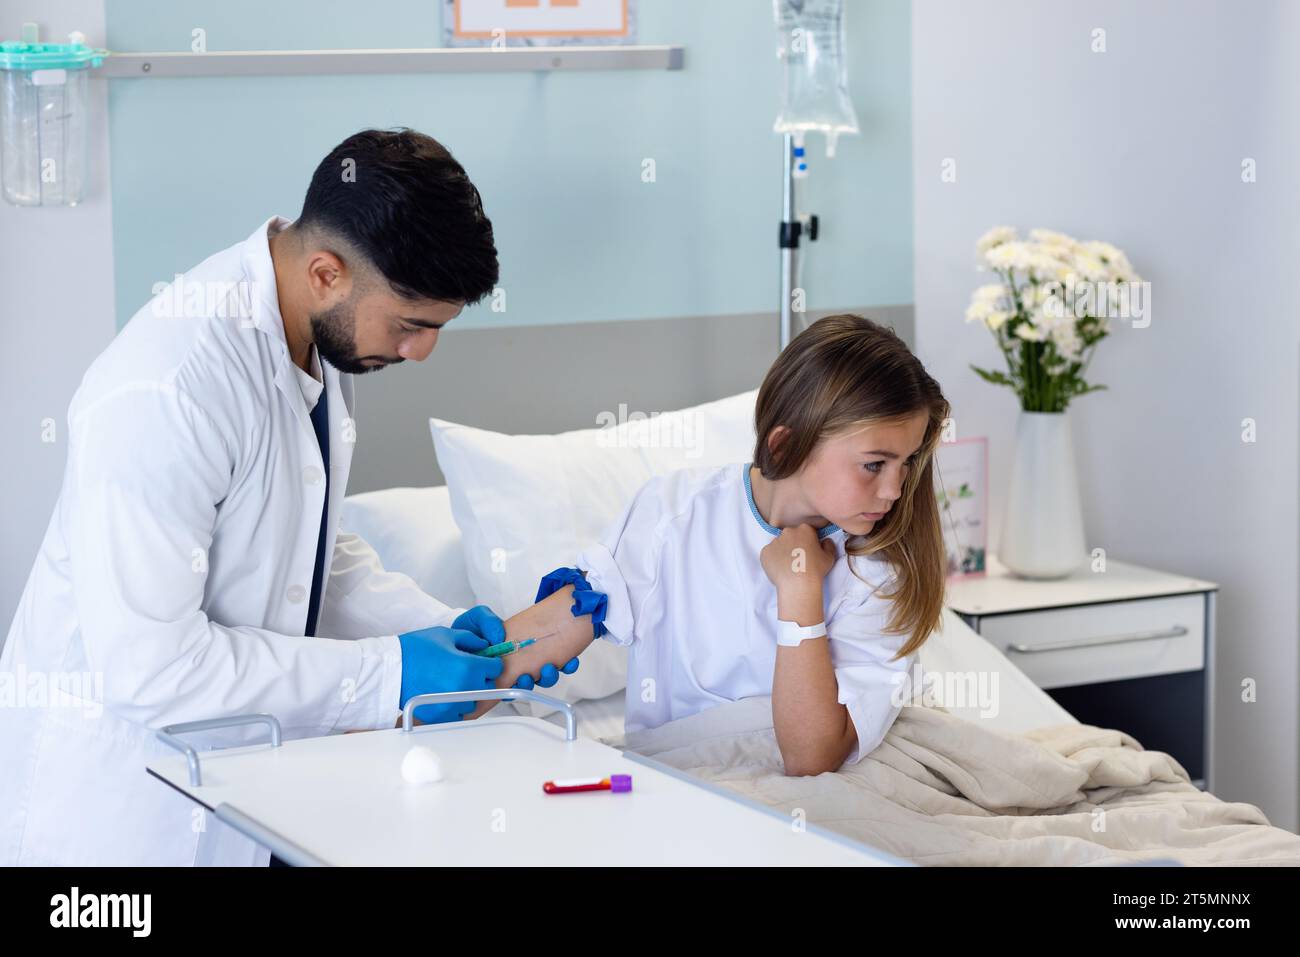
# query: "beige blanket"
{"type": "Point", "coordinates": [943, 790]}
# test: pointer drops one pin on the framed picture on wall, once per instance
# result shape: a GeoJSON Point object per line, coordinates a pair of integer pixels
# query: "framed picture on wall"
{"type": "Point", "coordinates": [961, 488]}
{"type": "Point", "coordinates": [513, 23]}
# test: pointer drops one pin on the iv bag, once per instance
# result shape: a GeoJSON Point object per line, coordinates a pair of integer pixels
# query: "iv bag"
{"type": "Point", "coordinates": [812, 46]}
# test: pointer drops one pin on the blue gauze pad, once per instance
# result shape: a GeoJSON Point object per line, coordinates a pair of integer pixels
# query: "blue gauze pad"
{"type": "Point", "coordinates": [585, 600]}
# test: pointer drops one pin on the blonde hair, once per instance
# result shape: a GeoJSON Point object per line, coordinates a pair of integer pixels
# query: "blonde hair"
{"type": "Point", "coordinates": [843, 371]}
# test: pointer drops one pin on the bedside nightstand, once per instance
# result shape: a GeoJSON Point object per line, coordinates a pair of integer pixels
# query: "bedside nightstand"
{"type": "Point", "coordinates": [1128, 648]}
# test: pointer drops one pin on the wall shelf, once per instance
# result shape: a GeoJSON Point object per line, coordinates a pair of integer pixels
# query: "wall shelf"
{"type": "Point", "coordinates": [434, 60]}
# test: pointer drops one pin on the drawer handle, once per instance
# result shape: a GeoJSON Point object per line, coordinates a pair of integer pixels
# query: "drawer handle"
{"type": "Point", "coordinates": [1174, 632]}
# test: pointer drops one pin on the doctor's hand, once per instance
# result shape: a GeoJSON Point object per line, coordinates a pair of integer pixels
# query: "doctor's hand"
{"type": "Point", "coordinates": [483, 621]}
{"type": "Point", "coordinates": [443, 659]}
{"type": "Point", "coordinates": [549, 675]}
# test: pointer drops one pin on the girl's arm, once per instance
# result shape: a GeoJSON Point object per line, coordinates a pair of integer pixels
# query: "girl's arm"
{"type": "Point", "coordinates": [560, 636]}
{"type": "Point", "coordinates": [813, 730]}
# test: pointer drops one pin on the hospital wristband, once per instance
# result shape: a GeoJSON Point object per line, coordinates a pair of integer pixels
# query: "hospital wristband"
{"type": "Point", "coordinates": [790, 633]}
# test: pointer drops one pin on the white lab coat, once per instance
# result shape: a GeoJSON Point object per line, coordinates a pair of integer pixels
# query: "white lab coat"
{"type": "Point", "coordinates": [173, 582]}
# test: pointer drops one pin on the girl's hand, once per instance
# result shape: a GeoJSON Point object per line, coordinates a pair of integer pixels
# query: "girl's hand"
{"type": "Point", "coordinates": [796, 560]}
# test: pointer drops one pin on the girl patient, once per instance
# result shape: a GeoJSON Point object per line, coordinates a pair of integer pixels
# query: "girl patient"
{"type": "Point", "coordinates": [812, 574]}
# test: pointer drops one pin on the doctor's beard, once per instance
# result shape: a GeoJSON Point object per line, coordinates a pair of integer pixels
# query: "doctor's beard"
{"type": "Point", "coordinates": [334, 331]}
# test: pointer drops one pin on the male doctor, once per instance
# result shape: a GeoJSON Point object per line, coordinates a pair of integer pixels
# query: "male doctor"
{"type": "Point", "coordinates": [194, 566]}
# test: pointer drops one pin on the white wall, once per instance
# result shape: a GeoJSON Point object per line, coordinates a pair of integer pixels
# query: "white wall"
{"type": "Point", "coordinates": [1142, 146]}
{"type": "Point", "coordinates": [56, 313]}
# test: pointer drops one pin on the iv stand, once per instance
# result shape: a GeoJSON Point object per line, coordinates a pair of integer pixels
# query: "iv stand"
{"type": "Point", "coordinates": [788, 239]}
{"type": "Point", "coordinates": [792, 227]}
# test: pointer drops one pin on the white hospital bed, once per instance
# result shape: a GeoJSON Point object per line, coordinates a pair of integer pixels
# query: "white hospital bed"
{"type": "Point", "coordinates": [413, 531]}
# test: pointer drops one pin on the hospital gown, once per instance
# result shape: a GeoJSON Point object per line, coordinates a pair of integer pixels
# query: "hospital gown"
{"type": "Point", "coordinates": [688, 595]}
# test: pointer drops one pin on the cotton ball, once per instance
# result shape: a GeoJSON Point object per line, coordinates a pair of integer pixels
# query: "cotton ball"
{"type": "Point", "coordinates": [421, 766]}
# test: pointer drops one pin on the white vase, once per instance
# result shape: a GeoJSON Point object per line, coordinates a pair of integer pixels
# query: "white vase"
{"type": "Point", "coordinates": [1042, 525]}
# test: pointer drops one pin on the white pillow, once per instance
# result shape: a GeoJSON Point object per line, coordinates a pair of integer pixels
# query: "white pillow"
{"type": "Point", "coordinates": [527, 504]}
{"type": "Point", "coordinates": [414, 533]}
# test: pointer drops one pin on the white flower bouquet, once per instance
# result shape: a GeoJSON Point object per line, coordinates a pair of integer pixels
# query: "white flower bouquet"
{"type": "Point", "coordinates": [1048, 311]}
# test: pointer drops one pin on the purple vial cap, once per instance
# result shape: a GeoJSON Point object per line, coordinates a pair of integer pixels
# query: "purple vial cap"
{"type": "Point", "coordinates": [620, 782]}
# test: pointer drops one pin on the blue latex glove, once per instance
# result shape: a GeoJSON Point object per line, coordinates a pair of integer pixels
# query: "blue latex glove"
{"type": "Point", "coordinates": [550, 674]}
{"type": "Point", "coordinates": [443, 659]}
{"type": "Point", "coordinates": [483, 621]}
{"type": "Point", "coordinates": [586, 600]}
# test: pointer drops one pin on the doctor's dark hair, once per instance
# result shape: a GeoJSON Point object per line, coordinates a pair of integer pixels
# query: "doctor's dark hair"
{"type": "Point", "coordinates": [846, 372]}
{"type": "Point", "coordinates": [399, 199]}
